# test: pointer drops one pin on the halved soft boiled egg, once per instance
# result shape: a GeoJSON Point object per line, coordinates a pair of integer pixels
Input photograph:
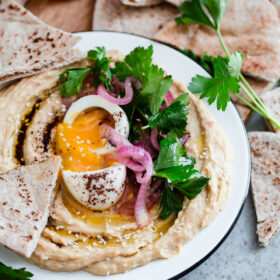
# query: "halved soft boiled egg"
{"type": "Point", "coordinates": [93, 177]}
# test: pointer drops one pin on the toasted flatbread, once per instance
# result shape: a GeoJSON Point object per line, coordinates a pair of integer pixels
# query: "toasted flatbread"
{"type": "Point", "coordinates": [277, 5]}
{"type": "Point", "coordinates": [265, 183]}
{"type": "Point", "coordinates": [26, 194]}
{"type": "Point", "coordinates": [271, 100]}
{"type": "Point", "coordinates": [145, 21]}
{"type": "Point", "coordinates": [29, 46]}
{"type": "Point", "coordinates": [255, 32]}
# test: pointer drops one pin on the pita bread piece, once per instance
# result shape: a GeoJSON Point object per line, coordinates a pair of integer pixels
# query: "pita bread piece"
{"type": "Point", "coordinates": [26, 194]}
{"type": "Point", "coordinates": [255, 32]}
{"type": "Point", "coordinates": [145, 21]}
{"type": "Point", "coordinates": [271, 100]}
{"type": "Point", "coordinates": [265, 182]}
{"type": "Point", "coordinates": [277, 5]}
{"type": "Point", "coordinates": [29, 46]}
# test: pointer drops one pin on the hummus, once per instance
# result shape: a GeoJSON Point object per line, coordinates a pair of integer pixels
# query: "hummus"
{"type": "Point", "coordinates": [105, 242]}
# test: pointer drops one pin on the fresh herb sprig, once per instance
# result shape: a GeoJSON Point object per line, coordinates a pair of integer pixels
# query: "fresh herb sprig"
{"type": "Point", "coordinates": [178, 169]}
{"type": "Point", "coordinates": [72, 78]}
{"type": "Point", "coordinates": [155, 84]}
{"type": "Point", "coordinates": [227, 76]}
{"type": "Point", "coordinates": [9, 273]}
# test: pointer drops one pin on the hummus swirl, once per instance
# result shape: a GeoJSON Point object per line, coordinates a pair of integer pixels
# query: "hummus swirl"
{"type": "Point", "coordinates": [106, 242]}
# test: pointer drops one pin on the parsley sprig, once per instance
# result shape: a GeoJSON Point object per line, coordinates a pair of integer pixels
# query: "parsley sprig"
{"type": "Point", "coordinates": [178, 169]}
{"type": "Point", "coordinates": [72, 78]}
{"type": "Point", "coordinates": [227, 76]}
{"type": "Point", "coordinates": [9, 273]}
{"type": "Point", "coordinates": [155, 84]}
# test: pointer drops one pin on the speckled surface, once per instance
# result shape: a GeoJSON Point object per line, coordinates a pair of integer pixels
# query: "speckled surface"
{"type": "Point", "coordinates": [240, 257]}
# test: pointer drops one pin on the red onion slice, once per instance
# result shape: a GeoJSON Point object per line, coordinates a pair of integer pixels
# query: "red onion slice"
{"type": "Point", "coordinates": [138, 160]}
{"type": "Point", "coordinates": [114, 138]}
{"type": "Point", "coordinates": [184, 139]}
{"type": "Point", "coordinates": [168, 98]}
{"type": "Point", "coordinates": [154, 140]}
{"type": "Point", "coordinates": [101, 91]}
{"type": "Point", "coordinates": [142, 216]}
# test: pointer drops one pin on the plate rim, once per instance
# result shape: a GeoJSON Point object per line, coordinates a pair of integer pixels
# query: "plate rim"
{"type": "Point", "coordinates": [201, 261]}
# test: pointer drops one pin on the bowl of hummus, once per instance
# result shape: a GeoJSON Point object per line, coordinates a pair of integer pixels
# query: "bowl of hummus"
{"type": "Point", "coordinates": [151, 179]}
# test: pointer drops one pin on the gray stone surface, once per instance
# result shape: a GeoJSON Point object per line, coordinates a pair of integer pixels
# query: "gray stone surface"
{"type": "Point", "coordinates": [240, 257]}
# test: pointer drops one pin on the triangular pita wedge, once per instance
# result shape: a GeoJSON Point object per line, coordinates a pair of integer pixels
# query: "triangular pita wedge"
{"type": "Point", "coordinates": [260, 87]}
{"type": "Point", "coordinates": [146, 21]}
{"type": "Point", "coordinates": [29, 46]}
{"type": "Point", "coordinates": [251, 26]}
{"type": "Point", "coordinates": [271, 100]}
{"type": "Point", "coordinates": [265, 182]}
{"type": "Point", "coordinates": [26, 194]}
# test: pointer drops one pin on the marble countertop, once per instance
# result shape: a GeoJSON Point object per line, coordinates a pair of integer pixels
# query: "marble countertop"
{"type": "Point", "coordinates": [240, 257]}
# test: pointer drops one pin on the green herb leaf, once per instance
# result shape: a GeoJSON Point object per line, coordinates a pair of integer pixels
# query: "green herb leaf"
{"type": "Point", "coordinates": [72, 79]}
{"type": "Point", "coordinates": [8, 273]}
{"type": "Point", "coordinates": [235, 64]}
{"type": "Point", "coordinates": [192, 184]}
{"type": "Point", "coordinates": [192, 13]}
{"type": "Point", "coordinates": [219, 87]}
{"type": "Point", "coordinates": [173, 117]}
{"type": "Point", "coordinates": [169, 203]}
{"type": "Point", "coordinates": [138, 64]}
{"type": "Point", "coordinates": [174, 165]}
{"type": "Point", "coordinates": [99, 53]}
{"type": "Point", "coordinates": [216, 9]}
{"type": "Point", "coordinates": [171, 151]}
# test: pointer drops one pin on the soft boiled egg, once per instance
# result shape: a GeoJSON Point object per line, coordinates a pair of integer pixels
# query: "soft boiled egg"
{"type": "Point", "coordinates": [93, 177]}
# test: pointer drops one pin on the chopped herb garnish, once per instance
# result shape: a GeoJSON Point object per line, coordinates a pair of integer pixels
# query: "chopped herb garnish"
{"type": "Point", "coordinates": [174, 165]}
{"type": "Point", "coordinates": [173, 117]}
{"type": "Point", "coordinates": [9, 273]}
{"type": "Point", "coordinates": [138, 64]}
{"type": "Point", "coordinates": [72, 78]}
{"type": "Point", "coordinates": [169, 203]}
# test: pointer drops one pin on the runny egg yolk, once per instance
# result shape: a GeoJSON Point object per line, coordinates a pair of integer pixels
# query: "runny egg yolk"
{"type": "Point", "coordinates": [78, 143]}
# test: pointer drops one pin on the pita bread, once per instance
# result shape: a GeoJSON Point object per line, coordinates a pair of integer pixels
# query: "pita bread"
{"type": "Point", "coordinates": [277, 5]}
{"type": "Point", "coordinates": [26, 196]}
{"type": "Point", "coordinates": [29, 46]}
{"type": "Point", "coordinates": [265, 182]}
{"type": "Point", "coordinates": [255, 32]}
{"type": "Point", "coordinates": [271, 100]}
{"type": "Point", "coordinates": [260, 87]}
{"type": "Point", "coordinates": [145, 21]}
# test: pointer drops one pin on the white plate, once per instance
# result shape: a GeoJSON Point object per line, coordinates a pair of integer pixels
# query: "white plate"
{"type": "Point", "coordinates": [206, 241]}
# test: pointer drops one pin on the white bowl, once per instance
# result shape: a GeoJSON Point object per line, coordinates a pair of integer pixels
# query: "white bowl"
{"type": "Point", "coordinates": [207, 240]}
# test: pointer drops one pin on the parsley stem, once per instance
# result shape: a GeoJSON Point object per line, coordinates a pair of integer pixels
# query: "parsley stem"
{"type": "Point", "coordinates": [145, 127]}
{"type": "Point", "coordinates": [242, 78]}
{"type": "Point", "coordinates": [257, 105]}
{"type": "Point", "coordinates": [248, 103]}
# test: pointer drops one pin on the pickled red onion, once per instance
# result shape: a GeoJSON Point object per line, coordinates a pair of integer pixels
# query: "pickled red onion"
{"type": "Point", "coordinates": [101, 91]}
